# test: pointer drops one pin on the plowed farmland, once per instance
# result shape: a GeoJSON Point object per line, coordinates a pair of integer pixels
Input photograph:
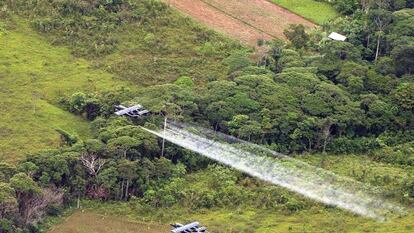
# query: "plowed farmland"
{"type": "Point", "coordinates": [243, 20]}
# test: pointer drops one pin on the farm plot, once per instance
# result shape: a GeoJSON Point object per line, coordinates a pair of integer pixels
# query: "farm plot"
{"type": "Point", "coordinates": [244, 20]}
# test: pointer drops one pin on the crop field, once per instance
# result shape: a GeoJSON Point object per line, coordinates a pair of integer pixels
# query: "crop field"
{"type": "Point", "coordinates": [316, 11]}
{"type": "Point", "coordinates": [89, 222]}
{"type": "Point", "coordinates": [246, 21]}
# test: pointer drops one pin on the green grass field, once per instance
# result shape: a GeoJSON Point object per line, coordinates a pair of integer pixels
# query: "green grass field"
{"type": "Point", "coordinates": [318, 12]}
{"type": "Point", "coordinates": [90, 222]}
{"type": "Point", "coordinates": [33, 75]}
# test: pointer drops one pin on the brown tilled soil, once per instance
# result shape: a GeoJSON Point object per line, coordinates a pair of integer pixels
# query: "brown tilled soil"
{"type": "Point", "coordinates": [88, 222]}
{"type": "Point", "coordinates": [243, 20]}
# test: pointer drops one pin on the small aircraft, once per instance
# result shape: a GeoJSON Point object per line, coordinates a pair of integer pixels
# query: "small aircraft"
{"type": "Point", "coordinates": [134, 111]}
{"type": "Point", "coordinates": [189, 228]}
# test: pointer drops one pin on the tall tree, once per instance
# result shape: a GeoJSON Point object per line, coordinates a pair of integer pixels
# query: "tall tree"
{"type": "Point", "coordinates": [128, 171]}
{"type": "Point", "coordinates": [26, 189]}
{"type": "Point", "coordinates": [297, 35]}
{"type": "Point", "coordinates": [381, 19]}
{"type": "Point", "coordinates": [403, 57]}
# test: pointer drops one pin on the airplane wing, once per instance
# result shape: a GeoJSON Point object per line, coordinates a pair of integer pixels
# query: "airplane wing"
{"type": "Point", "coordinates": [186, 227]}
{"type": "Point", "coordinates": [127, 110]}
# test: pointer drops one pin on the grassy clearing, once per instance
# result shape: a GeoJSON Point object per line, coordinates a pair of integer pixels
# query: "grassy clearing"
{"type": "Point", "coordinates": [224, 220]}
{"type": "Point", "coordinates": [318, 12]}
{"type": "Point", "coordinates": [89, 222]}
{"type": "Point", "coordinates": [33, 75]}
{"type": "Point", "coordinates": [316, 218]}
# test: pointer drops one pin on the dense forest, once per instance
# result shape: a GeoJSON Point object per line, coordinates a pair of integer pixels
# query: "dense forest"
{"type": "Point", "coordinates": [307, 95]}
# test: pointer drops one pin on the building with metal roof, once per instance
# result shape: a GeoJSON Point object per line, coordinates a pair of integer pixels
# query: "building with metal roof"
{"type": "Point", "coordinates": [337, 36]}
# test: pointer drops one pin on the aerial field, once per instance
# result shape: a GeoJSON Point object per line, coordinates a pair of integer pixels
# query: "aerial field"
{"type": "Point", "coordinates": [359, 117]}
{"type": "Point", "coordinates": [243, 20]}
{"type": "Point", "coordinates": [318, 12]}
{"type": "Point", "coordinates": [88, 222]}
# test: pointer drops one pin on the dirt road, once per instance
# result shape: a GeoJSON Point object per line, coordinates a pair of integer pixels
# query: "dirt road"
{"type": "Point", "coordinates": [243, 20]}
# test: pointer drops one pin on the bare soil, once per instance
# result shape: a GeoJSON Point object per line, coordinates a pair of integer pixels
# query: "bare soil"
{"type": "Point", "coordinates": [243, 20]}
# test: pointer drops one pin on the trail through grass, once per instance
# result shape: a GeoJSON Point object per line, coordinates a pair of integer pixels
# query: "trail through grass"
{"type": "Point", "coordinates": [318, 12]}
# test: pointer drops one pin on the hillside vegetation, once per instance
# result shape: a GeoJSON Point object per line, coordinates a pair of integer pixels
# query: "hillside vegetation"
{"type": "Point", "coordinates": [143, 42]}
{"type": "Point", "coordinates": [341, 106]}
{"type": "Point", "coordinates": [34, 75]}
{"type": "Point", "coordinates": [65, 62]}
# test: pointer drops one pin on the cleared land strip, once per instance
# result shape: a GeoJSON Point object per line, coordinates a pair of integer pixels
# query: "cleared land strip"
{"type": "Point", "coordinates": [244, 20]}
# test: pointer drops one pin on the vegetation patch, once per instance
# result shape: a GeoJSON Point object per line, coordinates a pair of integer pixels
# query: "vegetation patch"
{"type": "Point", "coordinates": [319, 12]}
{"type": "Point", "coordinates": [143, 42]}
{"type": "Point", "coordinates": [279, 211]}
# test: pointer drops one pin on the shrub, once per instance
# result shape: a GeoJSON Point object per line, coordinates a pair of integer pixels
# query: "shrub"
{"type": "Point", "coordinates": [346, 7]}
{"type": "Point", "coordinates": [260, 42]}
{"type": "Point", "coordinates": [294, 206]}
{"type": "Point", "coordinates": [297, 35]}
{"type": "Point", "coordinates": [184, 81]}
{"type": "Point", "coordinates": [343, 145]}
{"type": "Point", "coordinates": [237, 61]}
{"type": "Point", "coordinates": [208, 49]}
{"type": "Point", "coordinates": [402, 154]}
{"type": "Point", "coordinates": [408, 188]}
{"type": "Point", "coordinates": [54, 210]}
{"type": "Point", "coordinates": [6, 226]}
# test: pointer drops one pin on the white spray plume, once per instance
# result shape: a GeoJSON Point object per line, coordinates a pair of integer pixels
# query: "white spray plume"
{"type": "Point", "coordinates": [313, 182]}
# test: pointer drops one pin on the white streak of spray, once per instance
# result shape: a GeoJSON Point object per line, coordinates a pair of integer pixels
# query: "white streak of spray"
{"type": "Point", "coordinates": [312, 182]}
